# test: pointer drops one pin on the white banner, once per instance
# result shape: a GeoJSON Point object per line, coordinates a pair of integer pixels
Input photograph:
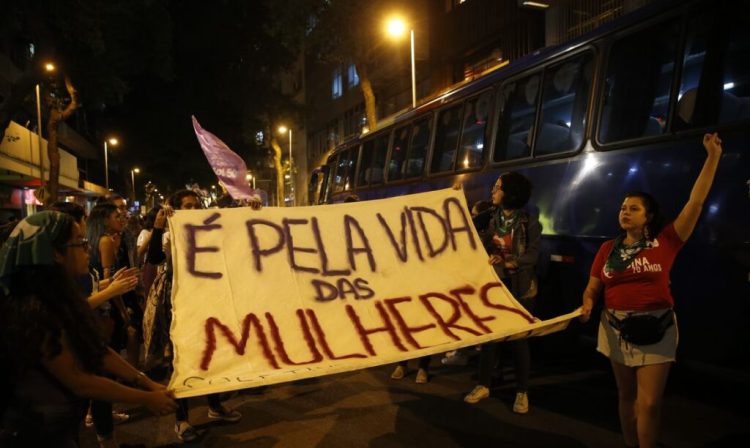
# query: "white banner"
{"type": "Point", "coordinates": [280, 294]}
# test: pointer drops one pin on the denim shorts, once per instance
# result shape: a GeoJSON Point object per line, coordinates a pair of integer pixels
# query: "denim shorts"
{"type": "Point", "coordinates": [611, 345]}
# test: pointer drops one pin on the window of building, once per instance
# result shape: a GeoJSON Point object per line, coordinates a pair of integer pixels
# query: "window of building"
{"type": "Point", "coordinates": [638, 84]}
{"type": "Point", "coordinates": [352, 77]}
{"type": "Point", "coordinates": [337, 85]}
{"type": "Point", "coordinates": [564, 102]}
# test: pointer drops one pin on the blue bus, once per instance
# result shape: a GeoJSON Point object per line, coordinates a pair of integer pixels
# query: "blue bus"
{"type": "Point", "coordinates": [622, 108]}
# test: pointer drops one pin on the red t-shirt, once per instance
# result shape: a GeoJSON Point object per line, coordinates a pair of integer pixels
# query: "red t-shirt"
{"type": "Point", "coordinates": [644, 284]}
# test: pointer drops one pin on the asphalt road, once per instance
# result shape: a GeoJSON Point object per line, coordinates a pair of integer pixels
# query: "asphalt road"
{"type": "Point", "coordinates": [573, 404]}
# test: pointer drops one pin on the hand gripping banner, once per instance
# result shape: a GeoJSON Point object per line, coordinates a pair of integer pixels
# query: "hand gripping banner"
{"type": "Point", "coordinates": [280, 294]}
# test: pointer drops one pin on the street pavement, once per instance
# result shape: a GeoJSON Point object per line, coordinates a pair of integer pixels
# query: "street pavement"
{"type": "Point", "coordinates": [572, 395]}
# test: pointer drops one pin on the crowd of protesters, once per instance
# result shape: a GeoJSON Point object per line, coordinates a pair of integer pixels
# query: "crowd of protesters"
{"type": "Point", "coordinates": [86, 304]}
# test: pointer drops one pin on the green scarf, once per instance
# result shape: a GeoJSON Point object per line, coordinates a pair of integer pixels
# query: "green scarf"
{"type": "Point", "coordinates": [622, 255]}
{"type": "Point", "coordinates": [30, 244]}
{"type": "Point", "coordinates": [504, 224]}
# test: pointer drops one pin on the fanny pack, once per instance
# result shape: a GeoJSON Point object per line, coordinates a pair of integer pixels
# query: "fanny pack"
{"type": "Point", "coordinates": [642, 329]}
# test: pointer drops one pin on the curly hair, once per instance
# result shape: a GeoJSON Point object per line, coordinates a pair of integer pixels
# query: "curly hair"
{"type": "Point", "coordinates": [516, 190]}
{"type": "Point", "coordinates": [655, 219]}
{"type": "Point", "coordinates": [175, 201]}
{"type": "Point", "coordinates": [42, 304]}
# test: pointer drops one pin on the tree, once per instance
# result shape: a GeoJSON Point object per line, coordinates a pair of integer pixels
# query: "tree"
{"type": "Point", "coordinates": [100, 46]}
{"type": "Point", "coordinates": [58, 113]}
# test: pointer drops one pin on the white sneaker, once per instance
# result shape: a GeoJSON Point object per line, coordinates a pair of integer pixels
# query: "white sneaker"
{"type": "Point", "coordinates": [455, 360]}
{"type": "Point", "coordinates": [478, 393]}
{"type": "Point", "coordinates": [120, 417]}
{"type": "Point", "coordinates": [521, 405]}
{"type": "Point", "coordinates": [398, 373]}
{"type": "Point", "coordinates": [224, 414]}
{"type": "Point", "coordinates": [185, 431]}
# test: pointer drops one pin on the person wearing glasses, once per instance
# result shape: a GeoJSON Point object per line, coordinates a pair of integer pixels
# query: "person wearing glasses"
{"type": "Point", "coordinates": [51, 349]}
{"type": "Point", "coordinates": [512, 239]}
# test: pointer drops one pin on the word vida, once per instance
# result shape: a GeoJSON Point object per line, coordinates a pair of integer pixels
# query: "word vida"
{"type": "Point", "coordinates": [417, 235]}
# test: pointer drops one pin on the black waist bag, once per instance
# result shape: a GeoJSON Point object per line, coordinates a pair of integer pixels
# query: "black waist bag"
{"type": "Point", "coordinates": [642, 329]}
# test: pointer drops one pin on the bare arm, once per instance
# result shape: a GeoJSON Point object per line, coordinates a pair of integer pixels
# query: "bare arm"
{"type": "Point", "coordinates": [590, 294]}
{"type": "Point", "coordinates": [123, 281]}
{"type": "Point", "coordinates": [688, 217]}
{"type": "Point", "coordinates": [84, 384]}
{"type": "Point", "coordinates": [107, 250]}
{"type": "Point", "coordinates": [115, 365]}
{"type": "Point", "coordinates": [141, 250]}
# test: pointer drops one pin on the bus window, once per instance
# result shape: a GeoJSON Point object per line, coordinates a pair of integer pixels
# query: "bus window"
{"type": "Point", "coordinates": [518, 102]}
{"type": "Point", "coordinates": [715, 84]}
{"type": "Point", "coordinates": [564, 101]}
{"type": "Point", "coordinates": [420, 141]}
{"type": "Point", "coordinates": [341, 178]}
{"type": "Point", "coordinates": [398, 153]}
{"type": "Point", "coordinates": [330, 175]}
{"type": "Point", "coordinates": [378, 159]}
{"type": "Point", "coordinates": [637, 84]}
{"type": "Point", "coordinates": [476, 112]}
{"type": "Point", "coordinates": [448, 127]}
{"type": "Point", "coordinates": [365, 164]}
{"type": "Point", "coordinates": [353, 156]}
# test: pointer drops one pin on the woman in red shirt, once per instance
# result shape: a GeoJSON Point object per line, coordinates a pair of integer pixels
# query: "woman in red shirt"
{"type": "Point", "coordinates": [638, 330]}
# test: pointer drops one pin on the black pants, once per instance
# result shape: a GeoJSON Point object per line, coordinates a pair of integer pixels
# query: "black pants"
{"type": "Point", "coordinates": [424, 362]}
{"type": "Point", "coordinates": [521, 358]}
{"type": "Point", "coordinates": [182, 406]}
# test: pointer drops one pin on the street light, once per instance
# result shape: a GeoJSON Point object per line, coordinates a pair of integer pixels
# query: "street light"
{"type": "Point", "coordinates": [396, 27]}
{"type": "Point", "coordinates": [133, 172]}
{"type": "Point", "coordinates": [113, 142]}
{"type": "Point", "coordinates": [282, 130]}
{"type": "Point", "coordinates": [49, 68]}
{"type": "Point", "coordinates": [250, 178]}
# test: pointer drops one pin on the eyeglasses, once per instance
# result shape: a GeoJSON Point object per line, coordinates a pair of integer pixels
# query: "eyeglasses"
{"type": "Point", "coordinates": [84, 243]}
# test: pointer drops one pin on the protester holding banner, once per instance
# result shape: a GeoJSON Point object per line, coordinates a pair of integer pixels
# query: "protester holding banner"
{"type": "Point", "coordinates": [157, 318]}
{"type": "Point", "coordinates": [512, 239]}
{"type": "Point", "coordinates": [638, 330]}
{"type": "Point", "coordinates": [52, 351]}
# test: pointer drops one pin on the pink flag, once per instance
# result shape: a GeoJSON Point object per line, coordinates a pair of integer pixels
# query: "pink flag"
{"type": "Point", "coordinates": [227, 165]}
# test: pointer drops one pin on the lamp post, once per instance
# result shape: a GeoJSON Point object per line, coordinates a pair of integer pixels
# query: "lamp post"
{"type": "Point", "coordinates": [133, 172]}
{"type": "Point", "coordinates": [395, 28]}
{"type": "Point", "coordinates": [282, 130]}
{"type": "Point", "coordinates": [49, 68]}
{"type": "Point", "coordinates": [113, 142]}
